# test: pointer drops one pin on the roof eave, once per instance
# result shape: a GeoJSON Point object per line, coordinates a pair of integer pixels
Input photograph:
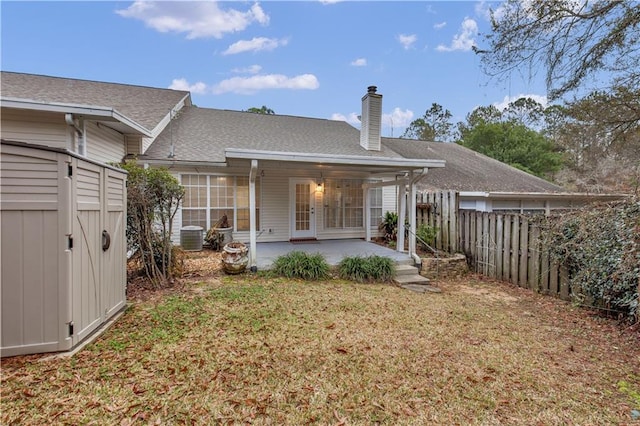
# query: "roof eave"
{"type": "Point", "coordinates": [303, 157]}
{"type": "Point", "coordinates": [99, 113]}
{"type": "Point", "coordinates": [539, 195]}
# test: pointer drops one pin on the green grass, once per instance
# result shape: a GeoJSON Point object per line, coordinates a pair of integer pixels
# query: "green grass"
{"type": "Point", "coordinates": [261, 350]}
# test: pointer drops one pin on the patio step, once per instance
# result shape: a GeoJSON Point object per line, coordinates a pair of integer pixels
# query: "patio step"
{"type": "Point", "coordinates": [408, 277]}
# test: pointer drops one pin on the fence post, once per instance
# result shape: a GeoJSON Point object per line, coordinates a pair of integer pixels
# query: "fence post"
{"type": "Point", "coordinates": [515, 246]}
{"type": "Point", "coordinates": [524, 251]}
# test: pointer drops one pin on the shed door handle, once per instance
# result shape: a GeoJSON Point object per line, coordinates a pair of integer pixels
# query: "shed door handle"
{"type": "Point", "coordinates": [106, 240]}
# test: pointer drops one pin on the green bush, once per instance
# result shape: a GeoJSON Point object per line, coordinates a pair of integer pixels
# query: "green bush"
{"type": "Point", "coordinates": [389, 226]}
{"type": "Point", "coordinates": [366, 269]}
{"type": "Point", "coordinates": [427, 234]}
{"type": "Point", "coordinates": [600, 247]}
{"type": "Point", "coordinates": [298, 264]}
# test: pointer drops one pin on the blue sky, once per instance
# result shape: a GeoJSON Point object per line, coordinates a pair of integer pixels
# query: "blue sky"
{"type": "Point", "coordinates": [303, 58]}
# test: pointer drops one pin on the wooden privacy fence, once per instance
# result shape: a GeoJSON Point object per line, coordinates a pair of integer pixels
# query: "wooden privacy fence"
{"type": "Point", "coordinates": [440, 210]}
{"type": "Point", "coordinates": [507, 247]}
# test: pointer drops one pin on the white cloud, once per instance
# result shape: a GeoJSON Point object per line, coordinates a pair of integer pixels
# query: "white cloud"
{"type": "Point", "coordinates": [351, 118]}
{"type": "Point", "coordinates": [252, 69]}
{"type": "Point", "coordinates": [199, 88]}
{"type": "Point", "coordinates": [360, 62]}
{"type": "Point", "coordinates": [407, 41]}
{"type": "Point", "coordinates": [249, 85]}
{"type": "Point", "coordinates": [440, 25]}
{"type": "Point", "coordinates": [398, 119]}
{"type": "Point", "coordinates": [504, 103]}
{"type": "Point", "coordinates": [330, 1]}
{"type": "Point", "coordinates": [464, 40]}
{"type": "Point", "coordinates": [198, 19]}
{"type": "Point", "coordinates": [256, 44]}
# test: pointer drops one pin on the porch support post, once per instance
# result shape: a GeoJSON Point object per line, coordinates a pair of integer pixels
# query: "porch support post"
{"type": "Point", "coordinates": [253, 261]}
{"type": "Point", "coordinates": [367, 213]}
{"type": "Point", "coordinates": [411, 205]}
{"type": "Point", "coordinates": [402, 212]}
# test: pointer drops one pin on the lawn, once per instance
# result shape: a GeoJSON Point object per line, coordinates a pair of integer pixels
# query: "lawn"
{"type": "Point", "coordinates": [260, 350]}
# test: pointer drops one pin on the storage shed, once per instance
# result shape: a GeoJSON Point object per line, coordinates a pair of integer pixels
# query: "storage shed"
{"type": "Point", "coordinates": [63, 247]}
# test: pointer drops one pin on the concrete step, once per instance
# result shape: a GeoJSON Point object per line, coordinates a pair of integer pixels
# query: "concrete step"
{"type": "Point", "coordinates": [406, 270]}
{"type": "Point", "coordinates": [421, 288]}
{"type": "Point", "coordinates": [411, 279]}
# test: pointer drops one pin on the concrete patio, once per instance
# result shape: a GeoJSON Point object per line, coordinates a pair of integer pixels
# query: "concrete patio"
{"type": "Point", "coordinates": [333, 250]}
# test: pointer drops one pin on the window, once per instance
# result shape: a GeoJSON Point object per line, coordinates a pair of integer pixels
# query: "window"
{"type": "Point", "coordinates": [208, 198]}
{"type": "Point", "coordinates": [344, 207]}
{"type": "Point", "coordinates": [375, 206]}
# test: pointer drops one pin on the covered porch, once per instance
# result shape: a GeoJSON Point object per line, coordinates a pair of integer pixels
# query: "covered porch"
{"type": "Point", "coordinates": [333, 251]}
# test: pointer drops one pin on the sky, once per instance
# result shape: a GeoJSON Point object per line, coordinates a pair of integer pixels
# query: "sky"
{"type": "Point", "coordinates": [301, 58]}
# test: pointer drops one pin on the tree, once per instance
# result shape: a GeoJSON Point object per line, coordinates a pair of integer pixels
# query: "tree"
{"type": "Point", "coordinates": [573, 40]}
{"type": "Point", "coordinates": [514, 144]}
{"type": "Point", "coordinates": [507, 136]}
{"type": "Point", "coordinates": [435, 125]}
{"type": "Point", "coordinates": [262, 110]}
{"type": "Point", "coordinates": [153, 198]}
{"type": "Point", "coordinates": [600, 141]}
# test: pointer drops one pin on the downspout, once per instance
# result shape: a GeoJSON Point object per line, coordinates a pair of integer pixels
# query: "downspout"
{"type": "Point", "coordinates": [82, 146]}
{"type": "Point", "coordinates": [412, 214]}
{"type": "Point", "coordinates": [252, 216]}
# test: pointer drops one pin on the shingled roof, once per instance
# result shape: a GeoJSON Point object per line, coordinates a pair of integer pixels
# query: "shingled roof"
{"type": "Point", "coordinates": [146, 106]}
{"type": "Point", "coordinates": [467, 170]}
{"type": "Point", "coordinates": [203, 134]}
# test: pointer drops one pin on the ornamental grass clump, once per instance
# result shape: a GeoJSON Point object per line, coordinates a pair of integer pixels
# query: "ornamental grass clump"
{"type": "Point", "coordinates": [367, 269]}
{"type": "Point", "coordinates": [298, 264]}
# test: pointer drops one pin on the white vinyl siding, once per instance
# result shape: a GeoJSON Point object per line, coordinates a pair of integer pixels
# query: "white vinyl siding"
{"type": "Point", "coordinates": [104, 144]}
{"type": "Point", "coordinates": [42, 128]}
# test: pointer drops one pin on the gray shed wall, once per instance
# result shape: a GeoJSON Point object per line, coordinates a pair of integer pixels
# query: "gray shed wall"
{"type": "Point", "coordinates": [58, 284]}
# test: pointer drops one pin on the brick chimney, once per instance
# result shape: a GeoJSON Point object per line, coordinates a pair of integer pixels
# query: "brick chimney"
{"type": "Point", "coordinates": [371, 120]}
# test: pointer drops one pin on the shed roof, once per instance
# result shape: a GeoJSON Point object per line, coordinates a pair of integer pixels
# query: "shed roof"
{"type": "Point", "coordinates": [468, 170]}
{"type": "Point", "coordinates": [146, 106]}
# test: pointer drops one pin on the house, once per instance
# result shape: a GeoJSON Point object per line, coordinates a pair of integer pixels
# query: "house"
{"type": "Point", "coordinates": [99, 121]}
{"type": "Point", "coordinates": [484, 184]}
{"type": "Point", "coordinates": [276, 177]}
{"type": "Point", "coordinates": [286, 178]}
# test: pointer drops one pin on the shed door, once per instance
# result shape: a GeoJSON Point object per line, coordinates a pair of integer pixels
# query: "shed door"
{"type": "Point", "coordinates": [87, 236]}
{"type": "Point", "coordinates": [302, 200]}
{"type": "Point", "coordinates": [113, 242]}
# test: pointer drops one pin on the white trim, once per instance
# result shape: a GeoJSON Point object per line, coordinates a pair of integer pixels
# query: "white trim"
{"type": "Point", "coordinates": [305, 157]}
{"type": "Point", "coordinates": [252, 215]}
{"type": "Point", "coordinates": [89, 111]}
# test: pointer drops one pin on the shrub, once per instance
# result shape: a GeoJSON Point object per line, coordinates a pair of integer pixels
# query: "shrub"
{"type": "Point", "coordinates": [389, 226]}
{"type": "Point", "coordinates": [153, 198]}
{"type": "Point", "coordinates": [298, 264]}
{"type": "Point", "coordinates": [366, 269]}
{"type": "Point", "coordinates": [600, 247]}
{"type": "Point", "coordinates": [427, 234]}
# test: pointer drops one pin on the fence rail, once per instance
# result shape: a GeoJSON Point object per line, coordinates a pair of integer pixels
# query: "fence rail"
{"type": "Point", "coordinates": [507, 247]}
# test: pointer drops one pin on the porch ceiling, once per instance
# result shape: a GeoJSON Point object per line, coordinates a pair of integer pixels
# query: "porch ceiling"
{"type": "Point", "coordinates": [333, 250]}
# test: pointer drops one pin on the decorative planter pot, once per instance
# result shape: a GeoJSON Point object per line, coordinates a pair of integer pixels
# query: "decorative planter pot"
{"type": "Point", "coordinates": [235, 257]}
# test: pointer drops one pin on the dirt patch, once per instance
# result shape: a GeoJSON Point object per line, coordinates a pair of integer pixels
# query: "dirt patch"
{"type": "Point", "coordinates": [196, 266]}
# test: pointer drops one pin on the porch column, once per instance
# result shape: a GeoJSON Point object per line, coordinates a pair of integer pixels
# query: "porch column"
{"type": "Point", "coordinates": [402, 212]}
{"type": "Point", "coordinates": [253, 260]}
{"type": "Point", "coordinates": [367, 213]}
{"type": "Point", "coordinates": [411, 205]}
